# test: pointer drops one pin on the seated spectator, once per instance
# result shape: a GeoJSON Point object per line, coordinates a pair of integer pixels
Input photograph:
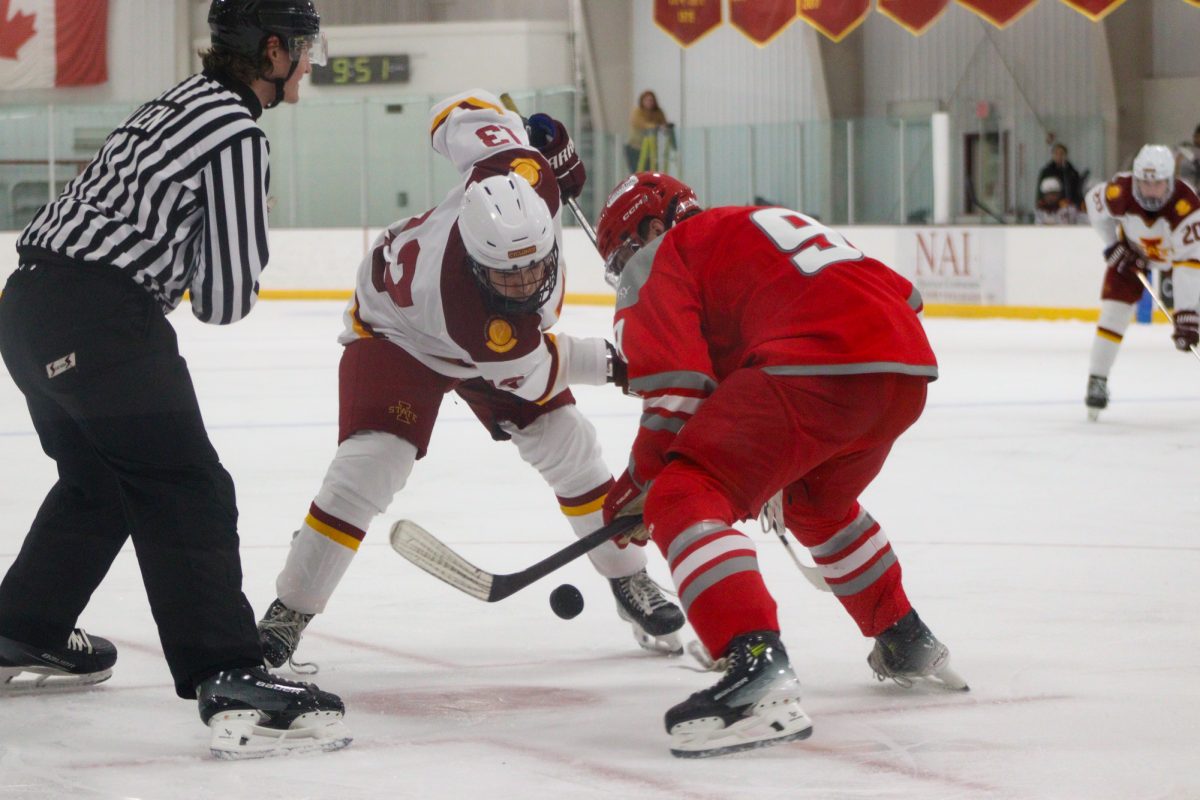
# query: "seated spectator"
{"type": "Point", "coordinates": [1068, 177]}
{"type": "Point", "coordinates": [645, 121]}
{"type": "Point", "coordinates": [1052, 207]}
{"type": "Point", "coordinates": [1188, 156]}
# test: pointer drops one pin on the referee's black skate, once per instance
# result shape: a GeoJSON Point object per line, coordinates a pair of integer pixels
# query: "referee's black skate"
{"type": "Point", "coordinates": [655, 619]}
{"type": "Point", "coordinates": [1097, 396]}
{"type": "Point", "coordinates": [279, 633]}
{"type": "Point", "coordinates": [254, 714]}
{"type": "Point", "coordinates": [756, 704]}
{"type": "Point", "coordinates": [908, 651]}
{"type": "Point", "coordinates": [84, 660]}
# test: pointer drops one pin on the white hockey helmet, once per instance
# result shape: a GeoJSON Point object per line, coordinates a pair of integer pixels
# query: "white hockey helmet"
{"type": "Point", "coordinates": [1050, 184]}
{"type": "Point", "coordinates": [1153, 176]}
{"type": "Point", "coordinates": [509, 235]}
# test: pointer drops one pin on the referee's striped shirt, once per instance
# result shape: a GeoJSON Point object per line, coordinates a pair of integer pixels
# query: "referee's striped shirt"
{"type": "Point", "coordinates": [176, 198]}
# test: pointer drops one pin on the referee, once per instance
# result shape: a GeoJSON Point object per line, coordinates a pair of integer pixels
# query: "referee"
{"type": "Point", "coordinates": [175, 201]}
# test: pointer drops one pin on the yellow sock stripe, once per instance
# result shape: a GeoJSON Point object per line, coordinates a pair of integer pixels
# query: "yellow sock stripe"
{"type": "Point", "coordinates": [1112, 337]}
{"type": "Point", "coordinates": [332, 533]}
{"type": "Point", "coordinates": [586, 508]}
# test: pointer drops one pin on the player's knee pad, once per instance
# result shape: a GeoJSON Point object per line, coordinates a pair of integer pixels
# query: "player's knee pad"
{"type": "Point", "coordinates": [369, 469]}
{"type": "Point", "coordinates": [1115, 316]}
{"type": "Point", "coordinates": [562, 446]}
{"type": "Point", "coordinates": [684, 493]}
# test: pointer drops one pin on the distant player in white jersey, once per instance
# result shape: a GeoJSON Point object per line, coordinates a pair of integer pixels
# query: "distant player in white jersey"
{"type": "Point", "coordinates": [459, 299]}
{"type": "Point", "coordinates": [1148, 220]}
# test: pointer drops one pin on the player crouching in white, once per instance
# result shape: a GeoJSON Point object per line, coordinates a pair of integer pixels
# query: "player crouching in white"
{"type": "Point", "coordinates": [1148, 219]}
{"type": "Point", "coordinates": [459, 299]}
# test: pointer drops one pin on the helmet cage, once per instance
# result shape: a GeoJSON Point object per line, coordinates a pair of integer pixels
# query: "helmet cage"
{"type": "Point", "coordinates": [518, 289]}
{"type": "Point", "coordinates": [1153, 176]}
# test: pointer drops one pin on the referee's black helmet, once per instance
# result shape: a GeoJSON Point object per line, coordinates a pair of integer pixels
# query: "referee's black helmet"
{"type": "Point", "coordinates": [242, 26]}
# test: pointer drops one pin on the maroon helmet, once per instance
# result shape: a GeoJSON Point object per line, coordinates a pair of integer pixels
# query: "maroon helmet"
{"type": "Point", "coordinates": [638, 199]}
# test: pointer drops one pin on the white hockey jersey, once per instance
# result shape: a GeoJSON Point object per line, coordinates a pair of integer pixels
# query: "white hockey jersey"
{"type": "Point", "coordinates": [1168, 238]}
{"type": "Point", "coordinates": [415, 287]}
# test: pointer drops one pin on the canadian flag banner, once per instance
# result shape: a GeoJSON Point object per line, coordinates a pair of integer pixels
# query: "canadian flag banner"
{"type": "Point", "coordinates": [913, 15]}
{"type": "Point", "coordinates": [1000, 13]}
{"type": "Point", "coordinates": [48, 43]}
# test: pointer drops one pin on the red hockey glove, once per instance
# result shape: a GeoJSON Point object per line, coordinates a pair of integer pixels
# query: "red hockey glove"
{"type": "Point", "coordinates": [550, 137]}
{"type": "Point", "coordinates": [1124, 260]}
{"type": "Point", "coordinates": [625, 498]}
{"type": "Point", "coordinates": [1187, 330]}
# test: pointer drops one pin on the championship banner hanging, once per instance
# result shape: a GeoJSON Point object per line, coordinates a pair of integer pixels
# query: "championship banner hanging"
{"type": "Point", "coordinates": [1094, 10]}
{"type": "Point", "coordinates": [48, 43]}
{"type": "Point", "coordinates": [834, 18]}
{"type": "Point", "coordinates": [915, 16]}
{"type": "Point", "coordinates": [1000, 13]}
{"type": "Point", "coordinates": [685, 21]}
{"type": "Point", "coordinates": [761, 20]}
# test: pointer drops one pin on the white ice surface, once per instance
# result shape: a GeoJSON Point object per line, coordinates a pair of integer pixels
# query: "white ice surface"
{"type": "Point", "coordinates": [1058, 559]}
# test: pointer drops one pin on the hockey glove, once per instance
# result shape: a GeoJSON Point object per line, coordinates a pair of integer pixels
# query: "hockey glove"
{"type": "Point", "coordinates": [1124, 260]}
{"type": "Point", "coordinates": [625, 498]}
{"type": "Point", "coordinates": [618, 371]}
{"type": "Point", "coordinates": [1187, 330]}
{"type": "Point", "coordinates": [550, 137]}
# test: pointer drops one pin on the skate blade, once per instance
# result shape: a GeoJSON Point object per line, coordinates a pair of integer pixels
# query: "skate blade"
{"type": "Point", "coordinates": [1093, 414]}
{"type": "Point", "coordinates": [29, 680]}
{"type": "Point", "coordinates": [783, 721]}
{"type": "Point", "coordinates": [667, 645]}
{"type": "Point", "coordinates": [236, 735]}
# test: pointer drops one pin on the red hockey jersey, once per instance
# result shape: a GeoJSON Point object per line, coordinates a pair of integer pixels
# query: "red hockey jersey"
{"type": "Point", "coordinates": [769, 288]}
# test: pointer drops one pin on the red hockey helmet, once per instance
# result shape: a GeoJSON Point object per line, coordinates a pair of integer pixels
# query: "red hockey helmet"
{"type": "Point", "coordinates": [637, 200]}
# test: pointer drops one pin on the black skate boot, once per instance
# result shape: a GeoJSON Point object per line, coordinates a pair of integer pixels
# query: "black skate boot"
{"type": "Point", "coordinates": [84, 661]}
{"type": "Point", "coordinates": [756, 704]}
{"type": "Point", "coordinates": [279, 632]}
{"type": "Point", "coordinates": [655, 619]}
{"type": "Point", "coordinates": [254, 714]}
{"type": "Point", "coordinates": [909, 651]}
{"type": "Point", "coordinates": [1097, 396]}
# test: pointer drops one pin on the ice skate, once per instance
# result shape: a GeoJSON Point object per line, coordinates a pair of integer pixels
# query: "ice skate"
{"type": "Point", "coordinates": [756, 704]}
{"type": "Point", "coordinates": [254, 714]}
{"type": "Point", "coordinates": [84, 661]}
{"type": "Point", "coordinates": [655, 619]}
{"type": "Point", "coordinates": [1097, 396]}
{"type": "Point", "coordinates": [279, 632]}
{"type": "Point", "coordinates": [908, 651]}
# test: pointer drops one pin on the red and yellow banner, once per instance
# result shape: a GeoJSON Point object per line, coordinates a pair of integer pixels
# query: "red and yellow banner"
{"type": "Point", "coordinates": [1000, 13]}
{"type": "Point", "coordinates": [761, 20]}
{"type": "Point", "coordinates": [1095, 10]}
{"type": "Point", "coordinates": [915, 16]}
{"type": "Point", "coordinates": [687, 21]}
{"type": "Point", "coordinates": [834, 18]}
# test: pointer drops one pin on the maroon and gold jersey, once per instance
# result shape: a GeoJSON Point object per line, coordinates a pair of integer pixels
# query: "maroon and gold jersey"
{"type": "Point", "coordinates": [763, 288]}
{"type": "Point", "coordinates": [415, 287]}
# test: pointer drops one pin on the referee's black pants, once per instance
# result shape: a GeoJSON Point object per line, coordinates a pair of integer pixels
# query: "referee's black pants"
{"type": "Point", "coordinates": [113, 403]}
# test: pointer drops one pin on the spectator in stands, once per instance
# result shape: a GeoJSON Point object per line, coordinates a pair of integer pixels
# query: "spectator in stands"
{"type": "Point", "coordinates": [1052, 207]}
{"type": "Point", "coordinates": [1068, 177]}
{"type": "Point", "coordinates": [1188, 156]}
{"type": "Point", "coordinates": [644, 124]}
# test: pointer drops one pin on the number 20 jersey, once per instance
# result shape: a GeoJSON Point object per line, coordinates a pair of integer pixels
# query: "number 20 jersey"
{"type": "Point", "coordinates": [741, 287]}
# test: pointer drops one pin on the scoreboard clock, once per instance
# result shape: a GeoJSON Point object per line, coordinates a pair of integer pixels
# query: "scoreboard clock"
{"type": "Point", "coordinates": [361, 70]}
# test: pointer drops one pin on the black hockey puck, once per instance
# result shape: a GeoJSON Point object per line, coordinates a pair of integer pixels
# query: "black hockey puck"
{"type": "Point", "coordinates": [566, 601]}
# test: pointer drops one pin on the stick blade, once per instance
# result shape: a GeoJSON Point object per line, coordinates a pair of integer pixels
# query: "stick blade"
{"type": "Point", "coordinates": [426, 551]}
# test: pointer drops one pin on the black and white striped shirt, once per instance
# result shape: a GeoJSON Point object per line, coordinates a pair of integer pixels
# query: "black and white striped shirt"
{"type": "Point", "coordinates": [176, 198]}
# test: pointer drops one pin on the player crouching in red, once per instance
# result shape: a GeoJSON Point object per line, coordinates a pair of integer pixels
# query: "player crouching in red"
{"type": "Point", "coordinates": [770, 355]}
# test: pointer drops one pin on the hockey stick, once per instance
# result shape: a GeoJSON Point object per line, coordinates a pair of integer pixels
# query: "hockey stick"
{"type": "Point", "coordinates": [508, 103]}
{"type": "Point", "coordinates": [429, 553]}
{"type": "Point", "coordinates": [1141, 276]}
{"type": "Point", "coordinates": [771, 520]}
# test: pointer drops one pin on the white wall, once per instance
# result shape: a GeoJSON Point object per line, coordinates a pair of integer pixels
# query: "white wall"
{"type": "Point", "coordinates": [1046, 267]}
